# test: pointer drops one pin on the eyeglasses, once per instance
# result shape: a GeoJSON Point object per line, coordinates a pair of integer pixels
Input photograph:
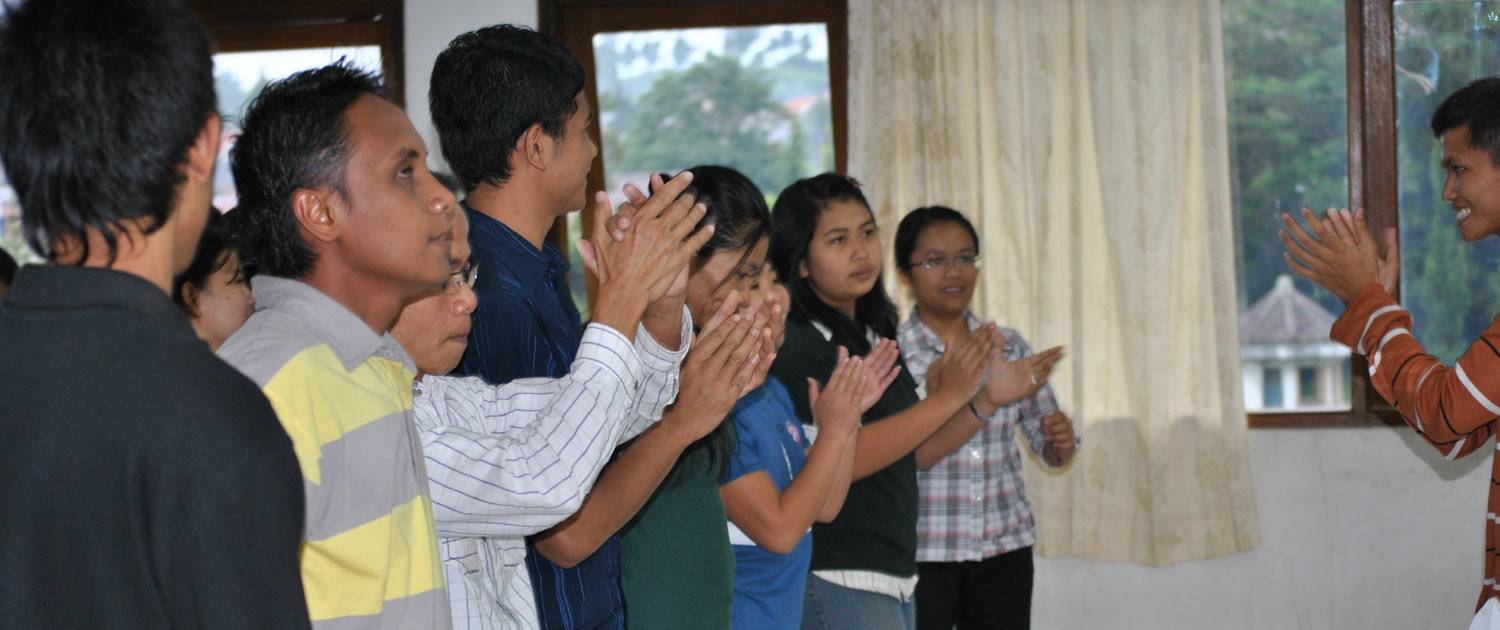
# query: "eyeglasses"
{"type": "Point", "coordinates": [464, 277]}
{"type": "Point", "coordinates": [939, 262]}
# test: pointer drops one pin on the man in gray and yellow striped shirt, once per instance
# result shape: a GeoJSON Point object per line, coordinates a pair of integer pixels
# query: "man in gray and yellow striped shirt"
{"type": "Point", "coordinates": [345, 223]}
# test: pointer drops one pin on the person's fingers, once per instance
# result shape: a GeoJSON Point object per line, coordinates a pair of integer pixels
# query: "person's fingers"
{"type": "Point", "coordinates": [634, 195]}
{"type": "Point", "coordinates": [726, 309]}
{"type": "Point", "coordinates": [737, 348]}
{"type": "Point", "coordinates": [697, 240]}
{"type": "Point", "coordinates": [1392, 247]}
{"type": "Point", "coordinates": [890, 377]}
{"type": "Point", "coordinates": [1354, 226]}
{"type": "Point", "coordinates": [1299, 236]}
{"type": "Point", "coordinates": [586, 254]}
{"type": "Point", "coordinates": [718, 334]}
{"type": "Point", "coordinates": [665, 195]}
{"type": "Point", "coordinates": [1299, 268]}
{"type": "Point", "coordinates": [1308, 259]}
{"type": "Point", "coordinates": [812, 392]}
{"type": "Point", "coordinates": [1333, 221]}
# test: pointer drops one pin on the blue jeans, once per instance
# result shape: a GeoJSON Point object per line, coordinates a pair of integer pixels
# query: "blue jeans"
{"type": "Point", "coordinates": [828, 606]}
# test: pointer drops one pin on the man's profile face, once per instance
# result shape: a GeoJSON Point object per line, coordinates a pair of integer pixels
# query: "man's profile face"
{"type": "Point", "coordinates": [1473, 185]}
{"type": "Point", "coordinates": [399, 222]}
{"type": "Point", "coordinates": [575, 156]}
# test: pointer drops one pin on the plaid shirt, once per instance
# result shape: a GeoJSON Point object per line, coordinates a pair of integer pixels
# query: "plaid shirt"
{"type": "Point", "coordinates": [974, 500]}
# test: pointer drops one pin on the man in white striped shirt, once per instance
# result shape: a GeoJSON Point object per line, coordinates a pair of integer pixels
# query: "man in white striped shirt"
{"type": "Point", "coordinates": [511, 460]}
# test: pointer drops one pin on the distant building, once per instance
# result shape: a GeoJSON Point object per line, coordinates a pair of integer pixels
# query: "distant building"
{"type": "Point", "coordinates": [1289, 362]}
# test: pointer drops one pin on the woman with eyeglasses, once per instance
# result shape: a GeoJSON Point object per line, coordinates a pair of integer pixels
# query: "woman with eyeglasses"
{"type": "Point", "coordinates": [975, 528]}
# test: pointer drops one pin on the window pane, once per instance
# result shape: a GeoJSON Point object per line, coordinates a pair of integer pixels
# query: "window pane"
{"type": "Point", "coordinates": [1307, 386]}
{"type": "Point", "coordinates": [754, 98]}
{"type": "Point", "coordinates": [1287, 116]}
{"type": "Point", "coordinates": [1271, 385]}
{"type": "Point", "coordinates": [1448, 285]}
{"type": "Point", "coordinates": [240, 76]}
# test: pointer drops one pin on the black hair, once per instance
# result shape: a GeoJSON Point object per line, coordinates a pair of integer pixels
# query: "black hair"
{"type": "Point", "coordinates": [917, 221]}
{"type": "Point", "coordinates": [214, 248]}
{"type": "Point", "coordinates": [8, 268]}
{"type": "Point", "coordinates": [737, 210]}
{"type": "Point", "coordinates": [794, 219]}
{"type": "Point", "coordinates": [99, 104]}
{"type": "Point", "coordinates": [735, 207]}
{"type": "Point", "coordinates": [294, 137]}
{"type": "Point", "coordinates": [491, 85]}
{"type": "Point", "coordinates": [1476, 106]}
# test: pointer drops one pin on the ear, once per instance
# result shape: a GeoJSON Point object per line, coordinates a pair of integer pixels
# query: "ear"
{"type": "Point", "coordinates": [204, 150]}
{"type": "Point", "coordinates": [905, 276]}
{"type": "Point", "coordinates": [534, 148]}
{"type": "Point", "coordinates": [318, 213]}
{"type": "Point", "coordinates": [190, 295]}
{"type": "Point", "coordinates": [802, 269]}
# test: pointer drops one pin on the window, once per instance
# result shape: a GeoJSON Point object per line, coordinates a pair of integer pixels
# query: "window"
{"type": "Point", "coordinates": [267, 41]}
{"type": "Point", "coordinates": [1271, 388]}
{"type": "Point", "coordinates": [239, 77]}
{"type": "Point", "coordinates": [1285, 67]}
{"type": "Point", "coordinates": [263, 41]}
{"type": "Point", "coordinates": [1309, 392]}
{"type": "Point", "coordinates": [1448, 285]}
{"type": "Point", "coordinates": [675, 84]}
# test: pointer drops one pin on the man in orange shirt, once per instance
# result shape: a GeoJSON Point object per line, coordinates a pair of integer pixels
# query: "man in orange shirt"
{"type": "Point", "coordinates": [1455, 408]}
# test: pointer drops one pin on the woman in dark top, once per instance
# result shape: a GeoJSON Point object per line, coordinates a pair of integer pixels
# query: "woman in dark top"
{"type": "Point", "coordinates": [826, 246]}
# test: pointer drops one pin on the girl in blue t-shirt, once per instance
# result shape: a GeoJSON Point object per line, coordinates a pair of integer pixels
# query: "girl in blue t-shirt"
{"type": "Point", "coordinates": [777, 485]}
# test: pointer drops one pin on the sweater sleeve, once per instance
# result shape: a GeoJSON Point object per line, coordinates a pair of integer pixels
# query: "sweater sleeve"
{"type": "Point", "coordinates": [1452, 408]}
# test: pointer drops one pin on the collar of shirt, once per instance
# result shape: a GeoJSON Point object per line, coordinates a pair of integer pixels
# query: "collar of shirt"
{"type": "Point", "coordinates": [67, 287]}
{"type": "Point", "coordinates": [914, 333]}
{"type": "Point", "coordinates": [503, 248]}
{"type": "Point", "coordinates": [350, 338]}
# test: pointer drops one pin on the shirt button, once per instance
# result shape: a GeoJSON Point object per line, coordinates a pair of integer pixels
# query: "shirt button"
{"type": "Point", "coordinates": [976, 454]}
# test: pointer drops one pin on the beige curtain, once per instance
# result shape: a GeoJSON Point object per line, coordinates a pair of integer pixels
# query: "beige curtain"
{"type": "Point", "coordinates": [1087, 140]}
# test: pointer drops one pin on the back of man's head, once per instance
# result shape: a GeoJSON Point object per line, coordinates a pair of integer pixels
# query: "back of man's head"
{"type": "Point", "coordinates": [1476, 106]}
{"type": "Point", "coordinates": [99, 102]}
{"type": "Point", "coordinates": [294, 138]}
{"type": "Point", "coordinates": [489, 87]}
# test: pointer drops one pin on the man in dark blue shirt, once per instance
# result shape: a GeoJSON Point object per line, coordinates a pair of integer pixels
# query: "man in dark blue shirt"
{"type": "Point", "coordinates": [513, 123]}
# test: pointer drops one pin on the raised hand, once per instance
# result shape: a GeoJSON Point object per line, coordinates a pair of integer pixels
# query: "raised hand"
{"type": "Point", "coordinates": [654, 253]}
{"type": "Point", "coordinates": [1352, 228]}
{"type": "Point", "coordinates": [1009, 381]}
{"type": "Point", "coordinates": [960, 371]}
{"type": "Point", "coordinates": [722, 362]}
{"type": "Point", "coordinates": [1343, 268]}
{"type": "Point", "coordinates": [836, 407]}
{"type": "Point", "coordinates": [880, 366]}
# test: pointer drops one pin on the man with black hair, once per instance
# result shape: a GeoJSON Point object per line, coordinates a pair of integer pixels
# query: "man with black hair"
{"type": "Point", "coordinates": [509, 108]}
{"type": "Point", "coordinates": [1454, 409]}
{"type": "Point", "coordinates": [146, 483]}
{"type": "Point", "coordinates": [345, 222]}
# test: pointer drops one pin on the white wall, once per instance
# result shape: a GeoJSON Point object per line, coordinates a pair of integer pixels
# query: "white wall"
{"type": "Point", "coordinates": [430, 25]}
{"type": "Point", "coordinates": [1362, 529]}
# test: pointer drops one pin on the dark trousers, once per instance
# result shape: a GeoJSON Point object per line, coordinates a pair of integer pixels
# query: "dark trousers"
{"type": "Point", "coordinates": [992, 594]}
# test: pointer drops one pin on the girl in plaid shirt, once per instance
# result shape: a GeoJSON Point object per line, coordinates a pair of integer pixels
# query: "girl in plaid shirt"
{"type": "Point", "coordinates": [974, 527]}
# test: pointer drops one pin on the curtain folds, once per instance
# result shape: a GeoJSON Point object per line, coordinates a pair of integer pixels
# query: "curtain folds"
{"type": "Point", "coordinates": [1087, 139]}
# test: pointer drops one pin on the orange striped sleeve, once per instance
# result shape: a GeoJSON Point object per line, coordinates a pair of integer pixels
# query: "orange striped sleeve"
{"type": "Point", "coordinates": [1452, 408]}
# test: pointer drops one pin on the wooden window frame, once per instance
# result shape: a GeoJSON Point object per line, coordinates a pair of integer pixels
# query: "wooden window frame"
{"type": "Point", "coordinates": [263, 25]}
{"type": "Point", "coordinates": [575, 22]}
{"type": "Point", "coordinates": [1373, 185]}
